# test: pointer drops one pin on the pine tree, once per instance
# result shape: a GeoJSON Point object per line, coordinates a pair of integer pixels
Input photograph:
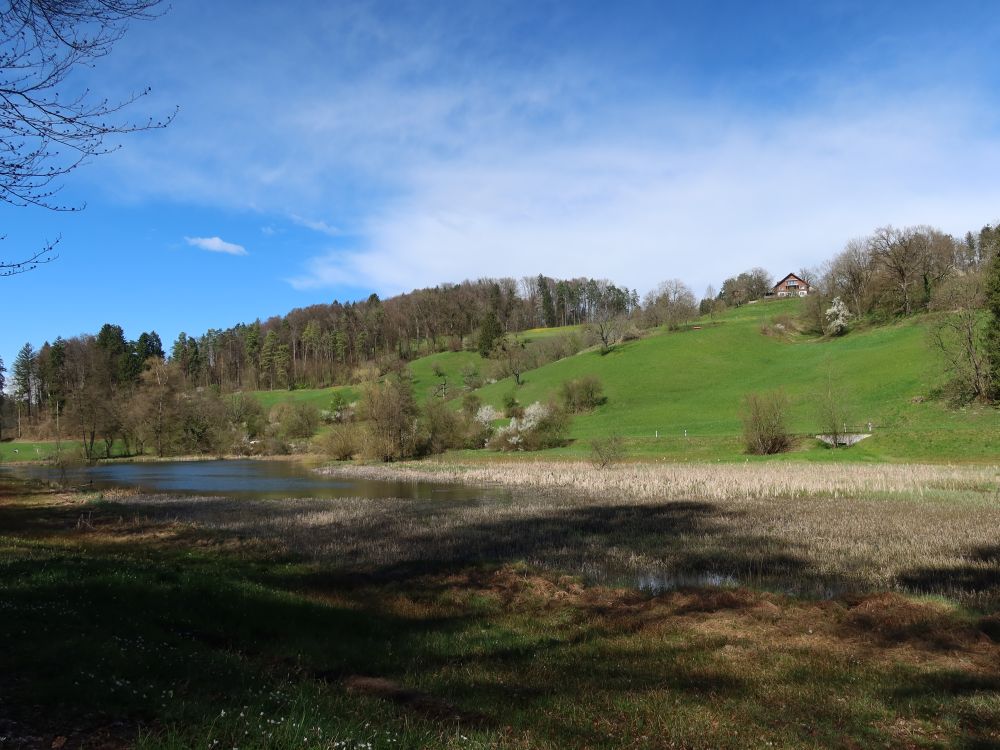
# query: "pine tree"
{"type": "Point", "coordinates": [489, 333]}
{"type": "Point", "coordinates": [548, 308]}
{"type": "Point", "coordinates": [268, 355]}
{"type": "Point", "coordinates": [993, 308]}
{"type": "Point", "coordinates": [24, 375]}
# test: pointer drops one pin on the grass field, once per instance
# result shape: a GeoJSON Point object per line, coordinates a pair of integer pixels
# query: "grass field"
{"type": "Point", "coordinates": [694, 380]}
{"type": "Point", "coordinates": [318, 397]}
{"type": "Point", "coordinates": [172, 622]}
{"type": "Point", "coordinates": [25, 450]}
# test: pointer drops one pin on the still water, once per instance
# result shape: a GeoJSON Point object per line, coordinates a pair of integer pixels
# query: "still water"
{"type": "Point", "coordinates": [247, 479]}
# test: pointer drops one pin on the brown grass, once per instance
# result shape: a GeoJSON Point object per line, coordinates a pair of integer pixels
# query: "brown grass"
{"type": "Point", "coordinates": [822, 532]}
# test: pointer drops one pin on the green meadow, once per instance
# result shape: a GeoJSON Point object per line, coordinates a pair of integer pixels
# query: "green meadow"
{"type": "Point", "coordinates": [678, 394]}
{"type": "Point", "coordinates": [318, 397]}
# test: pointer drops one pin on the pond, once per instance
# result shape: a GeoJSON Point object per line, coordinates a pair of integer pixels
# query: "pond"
{"type": "Point", "coordinates": [245, 478]}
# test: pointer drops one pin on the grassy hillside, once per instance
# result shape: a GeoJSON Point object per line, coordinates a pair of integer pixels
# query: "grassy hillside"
{"type": "Point", "coordinates": [319, 397]}
{"type": "Point", "coordinates": [695, 380]}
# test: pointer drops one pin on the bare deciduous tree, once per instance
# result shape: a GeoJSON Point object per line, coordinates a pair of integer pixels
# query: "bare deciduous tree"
{"type": "Point", "coordinates": [46, 132]}
{"type": "Point", "coordinates": [958, 335]}
{"type": "Point", "coordinates": [671, 303]}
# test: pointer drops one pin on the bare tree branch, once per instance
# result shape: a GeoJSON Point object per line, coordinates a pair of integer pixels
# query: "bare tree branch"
{"type": "Point", "coordinates": [45, 134]}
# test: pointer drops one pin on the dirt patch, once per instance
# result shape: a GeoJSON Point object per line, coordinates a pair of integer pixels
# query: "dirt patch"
{"type": "Point", "coordinates": [894, 619]}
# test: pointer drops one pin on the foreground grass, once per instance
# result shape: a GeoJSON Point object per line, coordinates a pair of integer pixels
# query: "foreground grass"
{"type": "Point", "coordinates": [186, 622]}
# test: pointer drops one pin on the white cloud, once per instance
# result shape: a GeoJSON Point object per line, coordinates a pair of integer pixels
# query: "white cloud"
{"type": "Point", "coordinates": [316, 225]}
{"type": "Point", "coordinates": [439, 174]}
{"type": "Point", "coordinates": [782, 196]}
{"type": "Point", "coordinates": [216, 245]}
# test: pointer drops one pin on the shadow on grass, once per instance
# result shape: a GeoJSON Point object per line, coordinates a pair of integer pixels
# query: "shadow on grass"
{"type": "Point", "coordinates": [978, 579]}
{"type": "Point", "coordinates": [98, 630]}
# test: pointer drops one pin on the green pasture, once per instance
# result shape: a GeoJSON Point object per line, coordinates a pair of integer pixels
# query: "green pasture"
{"type": "Point", "coordinates": [24, 450]}
{"type": "Point", "coordinates": [319, 397]}
{"type": "Point", "coordinates": [695, 380]}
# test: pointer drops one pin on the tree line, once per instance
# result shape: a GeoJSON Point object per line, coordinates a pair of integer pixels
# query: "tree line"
{"type": "Point", "coordinates": [330, 344]}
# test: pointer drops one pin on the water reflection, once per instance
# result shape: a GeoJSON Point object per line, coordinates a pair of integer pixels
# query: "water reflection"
{"type": "Point", "coordinates": [245, 478]}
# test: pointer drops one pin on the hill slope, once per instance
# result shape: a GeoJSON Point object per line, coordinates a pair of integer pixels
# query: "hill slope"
{"type": "Point", "coordinates": [696, 379]}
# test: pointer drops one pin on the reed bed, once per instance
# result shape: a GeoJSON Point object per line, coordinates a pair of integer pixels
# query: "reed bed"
{"type": "Point", "coordinates": [819, 531]}
{"type": "Point", "coordinates": [747, 481]}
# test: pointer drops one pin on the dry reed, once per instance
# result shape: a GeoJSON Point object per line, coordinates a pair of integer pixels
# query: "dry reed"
{"type": "Point", "coordinates": [803, 529]}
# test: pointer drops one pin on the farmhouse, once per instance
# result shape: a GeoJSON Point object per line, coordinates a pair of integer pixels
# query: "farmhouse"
{"type": "Point", "coordinates": [791, 286]}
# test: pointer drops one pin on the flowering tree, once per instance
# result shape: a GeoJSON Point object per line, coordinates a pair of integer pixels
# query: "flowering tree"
{"type": "Point", "coordinates": [837, 317]}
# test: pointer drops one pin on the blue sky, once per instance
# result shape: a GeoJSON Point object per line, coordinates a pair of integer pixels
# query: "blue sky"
{"type": "Point", "coordinates": [327, 152]}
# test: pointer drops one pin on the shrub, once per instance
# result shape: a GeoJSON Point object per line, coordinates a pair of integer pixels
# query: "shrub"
{"type": "Point", "coordinates": [471, 378]}
{"type": "Point", "coordinates": [837, 317]}
{"type": "Point", "coordinates": [764, 428]}
{"type": "Point", "coordinates": [204, 426]}
{"type": "Point", "coordinates": [541, 426]}
{"type": "Point", "coordinates": [471, 403]}
{"type": "Point", "coordinates": [391, 412]}
{"type": "Point", "coordinates": [444, 427]}
{"type": "Point", "coordinates": [487, 414]}
{"type": "Point", "coordinates": [292, 420]}
{"type": "Point", "coordinates": [341, 443]}
{"type": "Point", "coordinates": [246, 415]}
{"type": "Point", "coordinates": [511, 406]}
{"type": "Point", "coordinates": [340, 410]}
{"type": "Point", "coordinates": [607, 450]}
{"type": "Point", "coordinates": [832, 412]}
{"type": "Point", "coordinates": [583, 394]}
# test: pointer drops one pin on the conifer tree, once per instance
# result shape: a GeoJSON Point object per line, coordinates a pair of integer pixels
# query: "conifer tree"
{"type": "Point", "coordinates": [993, 309]}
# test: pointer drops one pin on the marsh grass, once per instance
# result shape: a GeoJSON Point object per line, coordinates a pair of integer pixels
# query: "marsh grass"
{"type": "Point", "coordinates": [831, 530]}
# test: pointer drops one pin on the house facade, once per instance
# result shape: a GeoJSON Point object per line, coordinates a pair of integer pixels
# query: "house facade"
{"type": "Point", "coordinates": [791, 286]}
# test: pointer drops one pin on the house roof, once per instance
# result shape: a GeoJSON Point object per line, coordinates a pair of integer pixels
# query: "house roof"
{"type": "Point", "coordinates": [791, 276]}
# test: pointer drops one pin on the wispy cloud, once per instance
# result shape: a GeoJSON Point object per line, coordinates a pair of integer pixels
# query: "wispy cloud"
{"type": "Point", "coordinates": [783, 196]}
{"type": "Point", "coordinates": [570, 154]}
{"type": "Point", "coordinates": [316, 225]}
{"type": "Point", "coordinates": [216, 245]}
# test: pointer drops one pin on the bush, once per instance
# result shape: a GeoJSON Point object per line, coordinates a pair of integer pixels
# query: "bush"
{"type": "Point", "coordinates": [764, 428]}
{"type": "Point", "coordinates": [246, 415]}
{"type": "Point", "coordinates": [444, 427]}
{"type": "Point", "coordinates": [391, 412]}
{"type": "Point", "coordinates": [607, 450]}
{"type": "Point", "coordinates": [511, 406]}
{"type": "Point", "coordinates": [837, 318]}
{"type": "Point", "coordinates": [204, 425]}
{"type": "Point", "coordinates": [471, 403]}
{"type": "Point", "coordinates": [341, 443]}
{"type": "Point", "coordinates": [583, 394]}
{"type": "Point", "coordinates": [471, 378]}
{"type": "Point", "coordinates": [541, 426]}
{"type": "Point", "coordinates": [292, 420]}
{"type": "Point", "coordinates": [340, 410]}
